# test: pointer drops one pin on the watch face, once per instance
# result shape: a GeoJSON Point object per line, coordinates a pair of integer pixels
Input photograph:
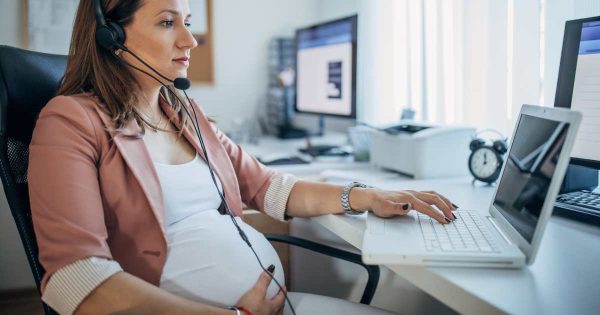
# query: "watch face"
{"type": "Point", "coordinates": [484, 164]}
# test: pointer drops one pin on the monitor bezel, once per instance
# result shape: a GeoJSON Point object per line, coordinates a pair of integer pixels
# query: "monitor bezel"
{"type": "Point", "coordinates": [354, 20]}
{"type": "Point", "coordinates": [556, 114]}
{"type": "Point", "coordinates": [566, 74]}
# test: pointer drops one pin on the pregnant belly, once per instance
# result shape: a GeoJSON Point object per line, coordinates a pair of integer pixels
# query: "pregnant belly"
{"type": "Point", "coordinates": [208, 262]}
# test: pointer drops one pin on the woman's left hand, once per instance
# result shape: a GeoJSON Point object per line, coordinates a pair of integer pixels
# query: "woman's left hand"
{"type": "Point", "coordinates": [394, 203]}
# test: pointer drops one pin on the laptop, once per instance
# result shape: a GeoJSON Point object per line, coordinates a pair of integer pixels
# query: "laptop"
{"type": "Point", "coordinates": [508, 234]}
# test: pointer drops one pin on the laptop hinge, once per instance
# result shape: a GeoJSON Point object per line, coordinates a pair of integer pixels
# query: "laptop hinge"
{"type": "Point", "coordinates": [491, 219]}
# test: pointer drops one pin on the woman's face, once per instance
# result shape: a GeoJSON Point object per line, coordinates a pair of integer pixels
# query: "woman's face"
{"type": "Point", "coordinates": [160, 35]}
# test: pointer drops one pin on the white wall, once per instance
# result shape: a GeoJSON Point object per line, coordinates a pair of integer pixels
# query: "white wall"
{"type": "Point", "coordinates": [333, 9]}
{"type": "Point", "coordinates": [242, 30]}
{"type": "Point", "coordinates": [10, 19]}
{"type": "Point", "coordinates": [241, 53]}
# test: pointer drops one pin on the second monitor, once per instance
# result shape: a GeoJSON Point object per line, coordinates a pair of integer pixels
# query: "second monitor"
{"type": "Point", "coordinates": [326, 70]}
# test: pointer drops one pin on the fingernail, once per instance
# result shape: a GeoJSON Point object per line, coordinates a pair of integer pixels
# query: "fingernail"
{"type": "Point", "coordinates": [447, 220]}
{"type": "Point", "coordinates": [405, 206]}
{"type": "Point", "coordinates": [455, 206]}
{"type": "Point", "coordinates": [454, 216]}
{"type": "Point", "coordinates": [271, 269]}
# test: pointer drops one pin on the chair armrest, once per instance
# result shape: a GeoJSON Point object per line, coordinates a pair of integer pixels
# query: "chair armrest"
{"type": "Point", "coordinates": [48, 310]}
{"type": "Point", "coordinates": [372, 270]}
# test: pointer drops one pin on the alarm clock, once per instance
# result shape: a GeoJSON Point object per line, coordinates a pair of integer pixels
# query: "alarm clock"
{"type": "Point", "coordinates": [485, 160]}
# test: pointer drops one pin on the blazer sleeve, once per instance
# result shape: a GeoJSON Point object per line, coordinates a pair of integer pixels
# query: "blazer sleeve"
{"type": "Point", "coordinates": [64, 191]}
{"type": "Point", "coordinates": [253, 177]}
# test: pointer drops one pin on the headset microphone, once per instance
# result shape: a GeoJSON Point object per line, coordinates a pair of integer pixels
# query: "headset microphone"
{"type": "Point", "coordinates": [182, 83]}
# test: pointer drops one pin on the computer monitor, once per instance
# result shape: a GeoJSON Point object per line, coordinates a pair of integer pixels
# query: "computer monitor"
{"type": "Point", "coordinates": [326, 68]}
{"type": "Point", "coordinates": [578, 86]}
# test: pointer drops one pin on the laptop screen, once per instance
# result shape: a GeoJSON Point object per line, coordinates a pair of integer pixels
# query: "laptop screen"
{"type": "Point", "coordinates": [530, 165]}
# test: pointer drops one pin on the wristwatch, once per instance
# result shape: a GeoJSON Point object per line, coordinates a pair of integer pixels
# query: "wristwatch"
{"type": "Point", "coordinates": [346, 198]}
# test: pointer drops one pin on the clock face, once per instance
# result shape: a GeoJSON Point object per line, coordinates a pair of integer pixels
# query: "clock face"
{"type": "Point", "coordinates": [484, 164]}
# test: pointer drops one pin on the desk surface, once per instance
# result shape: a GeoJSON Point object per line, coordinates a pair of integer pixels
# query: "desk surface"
{"type": "Point", "coordinates": [562, 280]}
{"type": "Point", "coordinates": [268, 146]}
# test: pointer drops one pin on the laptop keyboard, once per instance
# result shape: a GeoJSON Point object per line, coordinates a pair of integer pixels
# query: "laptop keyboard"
{"type": "Point", "coordinates": [466, 234]}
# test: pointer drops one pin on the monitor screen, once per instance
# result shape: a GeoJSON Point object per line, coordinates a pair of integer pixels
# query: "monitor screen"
{"type": "Point", "coordinates": [579, 86]}
{"type": "Point", "coordinates": [586, 93]}
{"type": "Point", "coordinates": [326, 68]}
{"type": "Point", "coordinates": [530, 165]}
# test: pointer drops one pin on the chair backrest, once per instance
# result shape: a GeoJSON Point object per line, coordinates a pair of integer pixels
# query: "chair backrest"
{"type": "Point", "coordinates": [28, 80]}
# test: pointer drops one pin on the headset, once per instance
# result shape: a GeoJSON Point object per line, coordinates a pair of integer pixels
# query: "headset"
{"type": "Point", "coordinates": [111, 37]}
{"type": "Point", "coordinates": [499, 145]}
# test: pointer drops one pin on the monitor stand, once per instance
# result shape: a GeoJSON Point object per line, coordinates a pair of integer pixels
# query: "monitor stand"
{"type": "Point", "coordinates": [290, 132]}
{"type": "Point", "coordinates": [321, 149]}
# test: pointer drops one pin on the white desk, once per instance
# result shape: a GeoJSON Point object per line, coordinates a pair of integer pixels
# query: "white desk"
{"type": "Point", "coordinates": [563, 279]}
{"type": "Point", "coordinates": [273, 146]}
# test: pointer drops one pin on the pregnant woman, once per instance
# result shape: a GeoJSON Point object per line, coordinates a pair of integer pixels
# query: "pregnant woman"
{"type": "Point", "coordinates": [130, 208]}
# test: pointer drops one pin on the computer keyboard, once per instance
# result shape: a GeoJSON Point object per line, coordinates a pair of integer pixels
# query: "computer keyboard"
{"type": "Point", "coordinates": [584, 198]}
{"type": "Point", "coordinates": [292, 160]}
{"type": "Point", "coordinates": [323, 150]}
{"type": "Point", "coordinates": [466, 234]}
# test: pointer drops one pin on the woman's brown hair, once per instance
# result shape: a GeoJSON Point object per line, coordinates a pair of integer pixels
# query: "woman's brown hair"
{"type": "Point", "coordinates": [92, 69]}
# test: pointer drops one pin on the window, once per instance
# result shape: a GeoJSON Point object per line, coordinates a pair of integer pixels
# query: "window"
{"type": "Point", "coordinates": [462, 62]}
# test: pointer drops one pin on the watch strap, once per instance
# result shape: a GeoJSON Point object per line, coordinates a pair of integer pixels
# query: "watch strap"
{"type": "Point", "coordinates": [346, 198]}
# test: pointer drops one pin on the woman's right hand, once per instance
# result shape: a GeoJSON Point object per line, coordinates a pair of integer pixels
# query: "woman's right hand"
{"type": "Point", "coordinates": [256, 301]}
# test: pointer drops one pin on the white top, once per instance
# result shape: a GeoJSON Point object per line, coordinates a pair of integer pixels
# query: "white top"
{"type": "Point", "coordinates": [207, 261]}
{"type": "Point", "coordinates": [187, 189]}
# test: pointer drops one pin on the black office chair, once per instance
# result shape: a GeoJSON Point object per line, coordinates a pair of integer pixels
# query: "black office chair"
{"type": "Point", "coordinates": [28, 80]}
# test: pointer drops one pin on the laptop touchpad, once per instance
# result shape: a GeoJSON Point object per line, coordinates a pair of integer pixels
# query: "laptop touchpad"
{"type": "Point", "coordinates": [400, 226]}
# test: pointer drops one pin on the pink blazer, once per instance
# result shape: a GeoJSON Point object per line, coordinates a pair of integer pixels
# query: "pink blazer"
{"type": "Point", "coordinates": [96, 196]}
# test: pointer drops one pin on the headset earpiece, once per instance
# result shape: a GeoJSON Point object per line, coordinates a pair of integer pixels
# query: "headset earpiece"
{"type": "Point", "coordinates": [109, 35]}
